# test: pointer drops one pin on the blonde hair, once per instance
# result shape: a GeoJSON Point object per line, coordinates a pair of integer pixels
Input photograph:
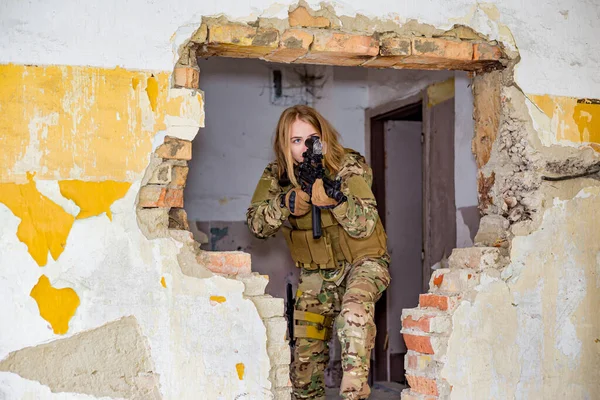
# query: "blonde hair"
{"type": "Point", "coordinates": [281, 145]}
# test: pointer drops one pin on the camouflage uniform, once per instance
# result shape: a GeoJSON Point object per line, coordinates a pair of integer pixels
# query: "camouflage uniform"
{"type": "Point", "coordinates": [346, 295]}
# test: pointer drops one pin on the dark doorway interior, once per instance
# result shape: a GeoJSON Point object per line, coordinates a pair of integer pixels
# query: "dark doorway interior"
{"type": "Point", "coordinates": [412, 156]}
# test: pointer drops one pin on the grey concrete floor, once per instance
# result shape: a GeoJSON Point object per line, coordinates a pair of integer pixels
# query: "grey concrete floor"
{"type": "Point", "coordinates": [379, 391]}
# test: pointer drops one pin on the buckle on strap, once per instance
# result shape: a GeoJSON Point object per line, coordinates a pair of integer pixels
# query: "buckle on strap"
{"type": "Point", "coordinates": [319, 326]}
{"type": "Point", "coordinates": [312, 317]}
{"type": "Point", "coordinates": [311, 332]}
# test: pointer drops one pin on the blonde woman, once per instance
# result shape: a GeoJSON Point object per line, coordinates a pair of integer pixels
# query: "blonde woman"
{"type": "Point", "coordinates": [344, 272]}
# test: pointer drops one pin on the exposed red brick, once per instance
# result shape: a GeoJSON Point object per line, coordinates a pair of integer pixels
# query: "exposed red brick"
{"type": "Point", "coordinates": [421, 344]}
{"type": "Point", "coordinates": [341, 48]}
{"type": "Point", "coordinates": [226, 262]}
{"type": "Point", "coordinates": [422, 324]}
{"type": "Point", "coordinates": [175, 148]}
{"type": "Point", "coordinates": [422, 384]}
{"type": "Point", "coordinates": [395, 46]}
{"type": "Point", "coordinates": [186, 77]}
{"type": "Point", "coordinates": [178, 219]}
{"type": "Point", "coordinates": [294, 44]}
{"type": "Point", "coordinates": [438, 280]}
{"type": "Point", "coordinates": [392, 50]}
{"type": "Point", "coordinates": [241, 41]}
{"type": "Point", "coordinates": [486, 52]}
{"type": "Point", "coordinates": [444, 303]}
{"type": "Point", "coordinates": [179, 176]}
{"type": "Point", "coordinates": [160, 196]}
{"type": "Point", "coordinates": [232, 33]}
{"type": "Point", "coordinates": [442, 48]}
{"type": "Point", "coordinates": [300, 17]}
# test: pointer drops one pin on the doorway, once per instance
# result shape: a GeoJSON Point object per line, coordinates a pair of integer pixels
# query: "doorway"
{"type": "Point", "coordinates": [411, 149]}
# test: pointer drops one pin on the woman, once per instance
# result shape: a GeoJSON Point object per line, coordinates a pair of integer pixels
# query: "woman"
{"type": "Point", "coordinates": [345, 271]}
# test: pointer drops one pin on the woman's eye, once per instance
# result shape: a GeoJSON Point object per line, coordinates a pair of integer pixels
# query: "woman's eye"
{"type": "Point", "coordinates": [295, 141]}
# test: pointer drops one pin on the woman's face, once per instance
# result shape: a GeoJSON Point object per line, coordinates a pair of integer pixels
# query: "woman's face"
{"type": "Point", "coordinates": [299, 132]}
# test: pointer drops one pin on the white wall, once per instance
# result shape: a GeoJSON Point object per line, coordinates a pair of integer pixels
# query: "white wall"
{"type": "Point", "coordinates": [465, 168]}
{"type": "Point", "coordinates": [554, 40]}
{"type": "Point", "coordinates": [559, 56]}
{"type": "Point", "coordinates": [387, 85]}
{"type": "Point", "coordinates": [232, 150]}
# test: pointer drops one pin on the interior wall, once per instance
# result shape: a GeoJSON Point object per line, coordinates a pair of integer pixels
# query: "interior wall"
{"type": "Point", "coordinates": [465, 169]}
{"type": "Point", "coordinates": [388, 85]}
{"type": "Point", "coordinates": [117, 272]}
{"type": "Point", "coordinates": [232, 150]}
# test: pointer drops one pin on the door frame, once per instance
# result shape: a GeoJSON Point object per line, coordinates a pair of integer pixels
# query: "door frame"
{"type": "Point", "coordinates": [374, 138]}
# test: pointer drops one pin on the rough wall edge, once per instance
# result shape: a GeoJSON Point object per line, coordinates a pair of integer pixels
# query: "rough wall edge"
{"type": "Point", "coordinates": [77, 359]}
{"type": "Point", "coordinates": [485, 53]}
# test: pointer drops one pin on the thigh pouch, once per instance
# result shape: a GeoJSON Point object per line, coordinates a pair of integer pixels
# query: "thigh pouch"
{"type": "Point", "coordinates": [312, 325]}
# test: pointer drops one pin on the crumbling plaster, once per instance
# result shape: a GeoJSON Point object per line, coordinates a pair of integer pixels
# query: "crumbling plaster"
{"type": "Point", "coordinates": [116, 271]}
{"type": "Point", "coordinates": [533, 331]}
{"type": "Point", "coordinates": [201, 328]}
{"type": "Point", "coordinates": [140, 34]}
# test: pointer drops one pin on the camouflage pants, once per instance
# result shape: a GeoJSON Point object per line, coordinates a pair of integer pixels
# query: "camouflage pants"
{"type": "Point", "coordinates": [352, 304]}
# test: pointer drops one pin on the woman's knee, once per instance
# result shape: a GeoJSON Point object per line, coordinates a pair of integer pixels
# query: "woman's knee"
{"type": "Point", "coordinates": [355, 314]}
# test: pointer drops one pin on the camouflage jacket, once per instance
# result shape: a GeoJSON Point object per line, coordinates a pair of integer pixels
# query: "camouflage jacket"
{"type": "Point", "coordinates": [357, 215]}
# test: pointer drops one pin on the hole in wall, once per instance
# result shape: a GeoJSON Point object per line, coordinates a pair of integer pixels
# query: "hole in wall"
{"type": "Point", "coordinates": [374, 111]}
{"type": "Point", "coordinates": [410, 52]}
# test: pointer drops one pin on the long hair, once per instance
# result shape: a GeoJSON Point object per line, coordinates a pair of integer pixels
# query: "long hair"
{"type": "Point", "coordinates": [281, 145]}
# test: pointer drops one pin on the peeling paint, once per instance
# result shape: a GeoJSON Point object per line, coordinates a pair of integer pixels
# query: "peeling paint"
{"type": "Point", "coordinates": [240, 370]}
{"type": "Point", "coordinates": [44, 225]}
{"type": "Point", "coordinates": [542, 322]}
{"type": "Point", "coordinates": [66, 122]}
{"type": "Point", "coordinates": [152, 91]}
{"type": "Point", "coordinates": [57, 306]}
{"type": "Point", "coordinates": [571, 119]}
{"type": "Point", "coordinates": [440, 92]}
{"type": "Point", "coordinates": [218, 299]}
{"type": "Point", "coordinates": [93, 198]}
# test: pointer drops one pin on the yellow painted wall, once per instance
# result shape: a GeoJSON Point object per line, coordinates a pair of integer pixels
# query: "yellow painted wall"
{"type": "Point", "coordinates": [93, 198]}
{"type": "Point", "coordinates": [44, 225]}
{"type": "Point", "coordinates": [575, 120]}
{"type": "Point", "coordinates": [56, 306]}
{"type": "Point", "coordinates": [91, 129]}
{"type": "Point", "coordinates": [65, 122]}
